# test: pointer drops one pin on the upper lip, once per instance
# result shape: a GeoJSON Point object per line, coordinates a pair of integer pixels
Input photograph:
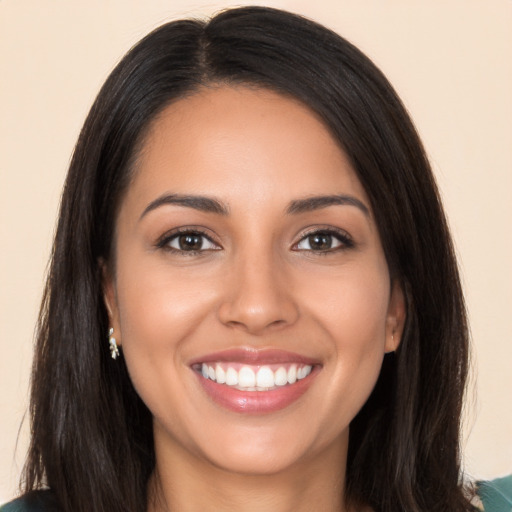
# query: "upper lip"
{"type": "Point", "coordinates": [252, 356]}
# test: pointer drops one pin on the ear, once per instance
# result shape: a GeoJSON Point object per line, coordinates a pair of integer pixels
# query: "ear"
{"type": "Point", "coordinates": [395, 320]}
{"type": "Point", "coordinates": [110, 299]}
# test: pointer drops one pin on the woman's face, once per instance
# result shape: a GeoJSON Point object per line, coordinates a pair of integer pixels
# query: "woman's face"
{"type": "Point", "coordinates": [251, 295]}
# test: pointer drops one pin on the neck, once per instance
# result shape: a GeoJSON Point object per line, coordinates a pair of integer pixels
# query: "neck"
{"type": "Point", "coordinates": [186, 483]}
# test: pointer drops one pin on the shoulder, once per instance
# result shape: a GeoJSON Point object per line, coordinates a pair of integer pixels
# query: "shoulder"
{"type": "Point", "coordinates": [37, 501]}
{"type": "Point", "coordinates": [495, 495]}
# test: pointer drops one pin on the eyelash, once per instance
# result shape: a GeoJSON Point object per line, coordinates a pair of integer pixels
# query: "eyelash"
{"type": "Point", "coordinates": [341, 236]}
{"type": "Point", "coordinates": [345, 240]}
{"type": "Point", "coordinates": [167, 238]}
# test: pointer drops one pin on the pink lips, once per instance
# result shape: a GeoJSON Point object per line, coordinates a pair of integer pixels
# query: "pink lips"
{"type": "Point", "coordinates": [255, 402]}
{"type": "Point", "coordinates": [255, 357]}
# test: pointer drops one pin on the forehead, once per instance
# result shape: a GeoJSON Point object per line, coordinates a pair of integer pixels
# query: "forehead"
{"type": "Point", "coordinates": [244, 142]}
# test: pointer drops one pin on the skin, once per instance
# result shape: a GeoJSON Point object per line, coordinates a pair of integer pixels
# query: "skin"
{"type": "Point", "coordinates": [257, 284]}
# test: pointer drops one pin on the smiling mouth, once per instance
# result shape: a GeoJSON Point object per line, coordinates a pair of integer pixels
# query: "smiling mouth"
{"type": "Point", "coordinates": [244, 377]}
{"type": "Point", "coordinates": [249, 381]}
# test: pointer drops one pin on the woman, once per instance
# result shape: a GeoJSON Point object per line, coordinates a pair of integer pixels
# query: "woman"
{"type": "Point", "coordinates": [253, 300]}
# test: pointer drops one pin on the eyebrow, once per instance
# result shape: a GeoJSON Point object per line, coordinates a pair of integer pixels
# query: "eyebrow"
{"type": "Point", "coordinates": [297, 206]}
{"type": "Point", "coordinates": [312, 203]}
{"type": "Point", "coordinates": [201, 203]}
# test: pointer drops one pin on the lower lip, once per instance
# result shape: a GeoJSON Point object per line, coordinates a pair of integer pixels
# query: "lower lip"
{"type": "Point", "coordinates": [256, 402]}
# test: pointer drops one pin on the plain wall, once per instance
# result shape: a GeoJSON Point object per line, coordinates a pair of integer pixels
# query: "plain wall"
{"type": "Point", "coordinates": [450, 61]}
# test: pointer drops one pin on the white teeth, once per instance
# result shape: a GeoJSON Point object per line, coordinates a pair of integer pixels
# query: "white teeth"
{"type": "Point", "coordinates": [220, 374]}
{"type": "Point", "coordinates": [265, 377]}
{"type": "Point", "coordinates": [307, 370]}
{"type": "Point", "coordinates": [249, 379]}
{"type": "Point", "coordinates": [246, 377]}
{"type": "Point", "coordinates": [231, 377]}
{"type": "Point", "coordinates": [292, 374]}
{"type": "Point", "coordinates": [303, 372]}
{"type": "Point", "coordinates": [281, 377]}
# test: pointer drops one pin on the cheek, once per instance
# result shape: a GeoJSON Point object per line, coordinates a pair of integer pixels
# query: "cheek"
{"type": "Point", "coordinates": [351, 309]}
{"type": "Point", "coordinates": [357, 324]}
{"type": "Point", "coordinates": [159, 311]}
{"type": "Point", "coordinates": [352, 304]}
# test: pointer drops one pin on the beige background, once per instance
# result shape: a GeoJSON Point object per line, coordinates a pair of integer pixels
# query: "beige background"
{"type": "Point", "coordinates": [451, 61]}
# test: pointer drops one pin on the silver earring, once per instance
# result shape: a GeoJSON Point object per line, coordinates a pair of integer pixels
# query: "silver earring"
{"type": "Point", "coordinates": [393, 340]}
{"type": "Point", "coordinates": [114, 351]}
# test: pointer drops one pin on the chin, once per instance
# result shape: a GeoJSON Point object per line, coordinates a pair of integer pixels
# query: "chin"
{"type": "Point", "coordinates": [264, 450]}
{"type": "Point", "coordinates": [257, 460]}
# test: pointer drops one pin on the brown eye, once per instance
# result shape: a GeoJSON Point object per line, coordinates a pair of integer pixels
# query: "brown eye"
{"type": "Point", "coordinates": [320, 242]}
{"type": "Point", "coordinates": [189, 241]}
{"type": "Point", "coordinates": [324, 241]}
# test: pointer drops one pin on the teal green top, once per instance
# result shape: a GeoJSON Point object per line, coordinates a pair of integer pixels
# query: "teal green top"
{"type": "Point", "coordinates": [38, 501]}
{"type": "Point", "coordinates": [493, 496]}
{"type": "Point", "coordinates": [496, 496]}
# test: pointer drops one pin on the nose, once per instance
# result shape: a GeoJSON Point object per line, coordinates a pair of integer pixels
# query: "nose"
{"type": "Point", "coordinates": [258, 296]}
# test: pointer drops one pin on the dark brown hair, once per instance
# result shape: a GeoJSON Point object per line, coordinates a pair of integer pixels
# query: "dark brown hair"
{"type": "Point", "coordinates": [92, 438]}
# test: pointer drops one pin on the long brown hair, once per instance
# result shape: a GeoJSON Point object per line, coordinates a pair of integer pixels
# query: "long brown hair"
{"type": "Point", "coordinates": [92, 438]}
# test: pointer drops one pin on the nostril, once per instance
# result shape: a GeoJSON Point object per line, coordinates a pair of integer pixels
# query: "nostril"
{"type": "Point", "coordinates": [257, 304]}
{"type": "Point", "coordinates": [257, 322]}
